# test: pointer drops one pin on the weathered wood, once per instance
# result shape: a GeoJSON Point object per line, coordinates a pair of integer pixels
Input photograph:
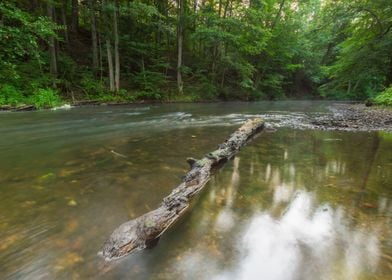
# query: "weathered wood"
{"type": "Point", "coordinates": [145, 230]}
{"type": "Point", "coordinates": [24, 108]}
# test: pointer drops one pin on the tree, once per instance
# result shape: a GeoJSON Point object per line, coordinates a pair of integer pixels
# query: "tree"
{"type": "Point", "coordinates": [362, 66]}
{"type": "Point", "coordinates": [233, 49]}
{"type": "Point", "coordinates": [180, 39]}
{"type": "Point", "coordinates": [116, 52]}
{"type": "Point", "coordinates": [52, 46]}
{"type": "Point", "coordinates": [94, 35]}
{"type": "Point", "coordinates": [75, 16]}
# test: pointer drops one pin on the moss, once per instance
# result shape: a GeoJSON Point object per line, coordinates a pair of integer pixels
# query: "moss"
{"type": "Point", "coordinates": [202, 162]}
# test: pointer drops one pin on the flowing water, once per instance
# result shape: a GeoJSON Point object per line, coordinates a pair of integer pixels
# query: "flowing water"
{"type": "Point", "coordinates": [294, 204]}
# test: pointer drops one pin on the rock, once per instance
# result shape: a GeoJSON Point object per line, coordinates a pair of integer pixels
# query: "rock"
{"type": "Point", "coordinates": [72, 203]}
{"type": "Point", "coordinates": [368, 103]}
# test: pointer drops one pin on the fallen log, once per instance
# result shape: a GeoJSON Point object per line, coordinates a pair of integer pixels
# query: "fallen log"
{"type": "Point", "coordinates": [145, 231]}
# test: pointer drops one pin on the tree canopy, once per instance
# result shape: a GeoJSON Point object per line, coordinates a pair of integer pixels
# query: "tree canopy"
{"type": "Point", "coordinates": [193, 50]}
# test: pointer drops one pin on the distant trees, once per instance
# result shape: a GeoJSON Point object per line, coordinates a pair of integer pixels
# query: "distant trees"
{"type": "Point", "coordinates": [361, 51]}
{"type": "Point", "coordinates": [196, 49]}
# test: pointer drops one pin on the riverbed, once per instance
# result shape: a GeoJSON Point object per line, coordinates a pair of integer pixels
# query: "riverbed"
{"type": "Point", "coordinates": [297, 203]}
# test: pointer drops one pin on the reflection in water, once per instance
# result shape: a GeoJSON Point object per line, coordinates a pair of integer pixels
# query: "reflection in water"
{"type": "Point", "coordinates": [283, 193]}
{"type": "Point", "coordinates": [295, 218]}
{"type": "Point", "coordinates": [225, 220]}
{"type": "Point", "coordinates": [304, 243]}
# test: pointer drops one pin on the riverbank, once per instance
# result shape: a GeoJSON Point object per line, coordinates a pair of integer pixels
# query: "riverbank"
{"type": "Point", "coordinates": [351, 117]}
{"type": "Point", "coordinates": [81, 103]}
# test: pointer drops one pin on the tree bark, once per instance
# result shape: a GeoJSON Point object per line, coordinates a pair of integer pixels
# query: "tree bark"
{"type": "Point", "coordinates": [94, 39]}
{"type": "Point", "coordinates": [75, 16]}
{"type": "Point", "coordinates": [116, 52]}
{"type": "Point", "coordinates": [220, 6]}
{"type": "Point", "coordinates": [64, 20]}
{"type": "Point", "coordinates": [110, 64]}
{"type": "Point", "coordinates": [52, 47]}
{"type": "Point", "coordinates": [100, 57]}
{"type": "Point", "coordinates": [145, 230]}
{"type": "Point", "coordinates": [180, 38]}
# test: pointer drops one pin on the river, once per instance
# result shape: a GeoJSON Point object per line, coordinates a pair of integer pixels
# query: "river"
{"type": "Point", "coordinates": [296, 203]}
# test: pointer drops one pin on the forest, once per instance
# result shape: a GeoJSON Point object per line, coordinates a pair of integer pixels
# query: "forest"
{"type": "Point", "coordinates": [54, 51]}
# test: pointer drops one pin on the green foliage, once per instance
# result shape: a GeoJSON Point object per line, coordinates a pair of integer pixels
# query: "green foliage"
{"type": "Point", "coordinates": [20, 34]}
{"type": "Point", "coordinates": [246, 50]}
{"type": "Point", "coordinates": [92, 86]}
{"type": "Point", "coordinates": [150, 82]}
{"type": "Point", "coordinates": [45, 98]}
{"type": "Point", "coordinates": [362, 64]}
{"type": "Point", "coordinates": [9, 95]}
{"type": "Point", "coordinates": [385, 97]}
{"type": "Point", "coordinates": [205, 89]}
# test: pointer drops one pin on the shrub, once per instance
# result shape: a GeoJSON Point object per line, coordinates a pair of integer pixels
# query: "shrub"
{"type": "Point", "coordinates": [3, 101]}
{"type": "Point", "coordinates": [9, 95]}
{"type": "Point", "coordinates": [385, 97]}
{"type": "Point", "coordinates": [45, 97]}
{"type": "Point", "coordinates": [148, 95]}
{"type": "Point", "coordinates": [94, 87]}
{"type": "Point", "coordinates": [149, 84]}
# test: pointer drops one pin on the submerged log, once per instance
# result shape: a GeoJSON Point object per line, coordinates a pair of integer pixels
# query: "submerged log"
{"type": "Point", "coordinates": [144, 231]}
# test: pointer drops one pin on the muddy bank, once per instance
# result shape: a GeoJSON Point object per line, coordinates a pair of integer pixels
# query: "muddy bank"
{"type": "Point", "coordinates": [350, 117]}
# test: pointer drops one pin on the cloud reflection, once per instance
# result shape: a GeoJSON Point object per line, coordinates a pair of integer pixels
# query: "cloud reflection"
{"type": "Point", "coordinates": [304, 242]}
{"type": "Point", "coordinates": [225, 219]}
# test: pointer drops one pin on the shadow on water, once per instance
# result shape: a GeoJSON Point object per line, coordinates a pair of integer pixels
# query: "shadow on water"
{"type": "Point", "coordinates": [295, 204]}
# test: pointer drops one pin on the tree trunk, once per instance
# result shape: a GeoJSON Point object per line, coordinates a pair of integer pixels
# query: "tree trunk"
{"type": "Point", "coordinates": [226, 8]}
{"type": "Point", "coordinates": [348, 92]}
{"type": "Point", "coordinates": [110, 65]}
{"type": "Point", "coordinates": [100, 58]}
{"type": "Point", "coordinates": [116, 52]}
{"type": "Point", "coordinates": [75, 16]}
{"type": "Point", "coordinates": [145, 230]}
{"type": "Point", "coordinates": [56, 42]}
{"type": "Point", "coordinates": [52, 47]}
{"type": "Point", "coordinates": [94, 39]}
{"type": "Point", "coordinates": [64, 20]}
{"type": "Point", "coordinates": [180, 38]}
{"type": "Point", "coordinates": [220, 8]}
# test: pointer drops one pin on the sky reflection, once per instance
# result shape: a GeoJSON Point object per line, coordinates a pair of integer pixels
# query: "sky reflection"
{"type": "Point", "coordinates": [305, 241]}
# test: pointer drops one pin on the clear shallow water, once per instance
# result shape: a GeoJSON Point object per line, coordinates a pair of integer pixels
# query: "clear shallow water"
{"type": "Point", "coordinates": [295, 204]}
